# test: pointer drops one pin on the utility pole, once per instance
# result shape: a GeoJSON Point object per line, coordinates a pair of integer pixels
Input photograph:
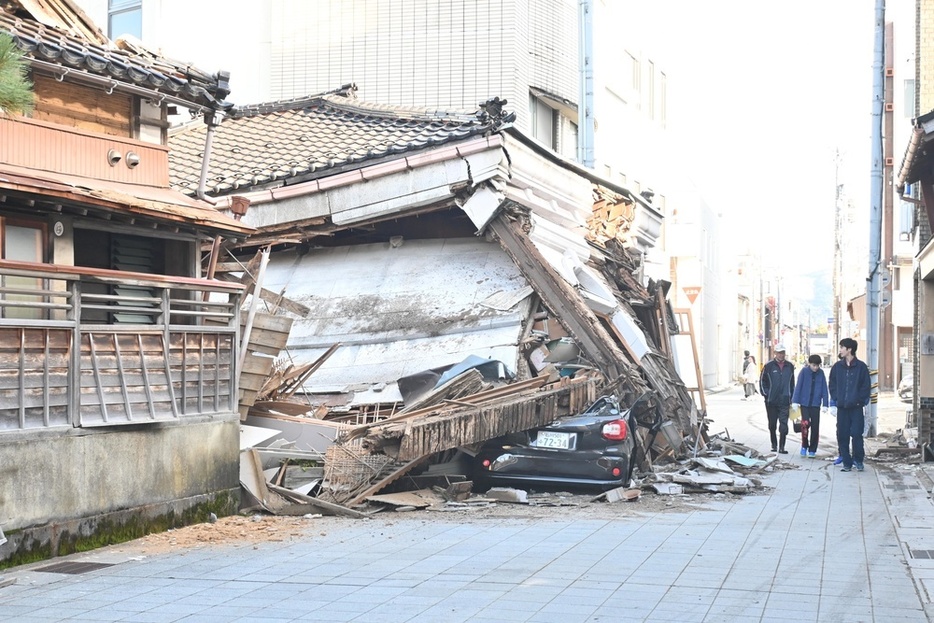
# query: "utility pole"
{"type": "Point", "coordinates": [837, 253]}
{"type": "Point", "coordinates": [874, 280]}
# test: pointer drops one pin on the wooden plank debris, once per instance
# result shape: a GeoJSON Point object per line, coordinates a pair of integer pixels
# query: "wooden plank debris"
{"type": "Point", "coordinates": [386, 480]}
{"type": "Point", "coordinates": [287, 380]}
{"type": "Point", "coordinates": [470, 382]}
{"type": "Point", "coordinates": [254, 482]}
{"type": "Point", "coordinates": [423, 498]}
{"type": "Point", "coordinates": [620, 494]}
{"type": "Point", "coordinates": [325, 507]}
{"type": "Point", "coordinates": [463, 426]}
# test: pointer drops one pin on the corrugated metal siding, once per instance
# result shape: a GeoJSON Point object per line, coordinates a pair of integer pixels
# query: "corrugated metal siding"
{"type": "Point", "coordinates": [49, 147]}
{"type": "Point", "coordinates": [397, 311]}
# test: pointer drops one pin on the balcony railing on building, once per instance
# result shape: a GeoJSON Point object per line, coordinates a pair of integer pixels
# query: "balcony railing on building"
{"type": "Point", "coordinates": [92, 347]}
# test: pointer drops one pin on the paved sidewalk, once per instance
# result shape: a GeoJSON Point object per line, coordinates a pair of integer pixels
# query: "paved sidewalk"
{"type": "Point", "coordinates": [820, 545]}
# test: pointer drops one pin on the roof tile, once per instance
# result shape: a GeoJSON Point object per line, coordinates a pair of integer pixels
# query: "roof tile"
{"type": "Point", "coordinates": [313, 137]}
{"type": "Point", "coordinates": [142, 67]}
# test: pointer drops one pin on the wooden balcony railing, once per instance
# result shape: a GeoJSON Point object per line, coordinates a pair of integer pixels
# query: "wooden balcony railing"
{"type": "Point", "coordinates": [90, 347]}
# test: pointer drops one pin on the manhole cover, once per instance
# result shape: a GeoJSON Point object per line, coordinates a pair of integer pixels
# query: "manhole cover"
{"type": "Point", "coordinates": [74, 568]}
{"type": "Point", "coordinates": [902, 487]}
{"type": "Point", "coordinates": [922, 553]}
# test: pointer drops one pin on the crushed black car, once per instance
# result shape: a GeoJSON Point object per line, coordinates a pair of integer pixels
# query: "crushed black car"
{"type": "Point", "coordinates": [593, 449]}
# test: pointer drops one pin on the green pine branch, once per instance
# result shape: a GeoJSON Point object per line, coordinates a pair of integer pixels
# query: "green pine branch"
{"type": "Point", "coordinates": [15, 88]}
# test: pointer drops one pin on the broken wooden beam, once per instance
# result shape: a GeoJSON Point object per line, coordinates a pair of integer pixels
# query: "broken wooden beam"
{"type": "Point", "coordinates": [326, 508]}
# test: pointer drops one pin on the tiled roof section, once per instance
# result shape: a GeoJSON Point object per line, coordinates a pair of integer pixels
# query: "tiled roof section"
{"type": "Point", "coordinates": [135, 65]}
{"type": "Point", "coordinates": [313, 137]}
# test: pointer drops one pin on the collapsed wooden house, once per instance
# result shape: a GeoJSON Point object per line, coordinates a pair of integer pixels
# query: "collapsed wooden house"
{"type": "Point", "coordinates": [417, 239]}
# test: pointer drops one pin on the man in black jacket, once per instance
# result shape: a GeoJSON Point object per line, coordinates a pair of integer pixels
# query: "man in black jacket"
{"type": "Point", "coordinates": [850, 391]}
{"type": "Point", "coordinates": [777, 384]}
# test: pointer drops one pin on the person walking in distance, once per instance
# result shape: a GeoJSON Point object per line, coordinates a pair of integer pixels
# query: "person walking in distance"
{"type": "Point", "coordinates": [750, 378]}
{"type": "Point", "coordinates": [811, 397]}
{"type": "Point", "coordinates": [849, 392]}
{"type": "Point", "coordinates": [777, 384]}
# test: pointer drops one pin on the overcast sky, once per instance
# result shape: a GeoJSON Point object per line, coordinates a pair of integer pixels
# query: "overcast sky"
{"type": "Point", "coordinates": [762, 95]}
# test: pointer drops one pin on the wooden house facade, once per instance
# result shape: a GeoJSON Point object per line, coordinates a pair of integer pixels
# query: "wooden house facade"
{"type": "Point", "coordinates": [118, 390]}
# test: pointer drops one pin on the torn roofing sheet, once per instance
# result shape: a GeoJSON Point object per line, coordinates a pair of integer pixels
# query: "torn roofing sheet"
{"type": "Point", "coordinates": [560, 202]}
{"type": "Point", "coordinates": [398, 310]}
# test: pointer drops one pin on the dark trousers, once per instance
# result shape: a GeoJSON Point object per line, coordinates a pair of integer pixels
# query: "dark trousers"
{"type": "Point", "coordinates": [810, 428]}
{"type": "Point", "coordinates": [778, 415]}
{"type": "Point", "coordinates": [850, 423]}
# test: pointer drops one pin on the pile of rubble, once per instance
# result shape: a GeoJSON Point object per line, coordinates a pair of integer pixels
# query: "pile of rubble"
{"type": "Point", "coordinates": [325, 453]}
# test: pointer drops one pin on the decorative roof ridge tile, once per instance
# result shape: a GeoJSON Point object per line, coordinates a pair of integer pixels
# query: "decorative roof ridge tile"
{"type": "Point", "coordinates": [345, 98]}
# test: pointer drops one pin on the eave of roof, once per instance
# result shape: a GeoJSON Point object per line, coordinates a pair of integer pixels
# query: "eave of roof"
{"type": "Point", "coordinates": [61, 52]}
{"type": "Point", "coordinates": [915, 154]}
{"type": "Point", "coordinates": [161, 205]}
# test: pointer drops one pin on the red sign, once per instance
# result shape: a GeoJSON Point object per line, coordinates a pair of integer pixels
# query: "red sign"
{"type": "Point", "coordinates": [691, 292]}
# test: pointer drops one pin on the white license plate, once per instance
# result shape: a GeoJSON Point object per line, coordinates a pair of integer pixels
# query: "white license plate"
{"type": "Point", "coordinates": [552, 439]}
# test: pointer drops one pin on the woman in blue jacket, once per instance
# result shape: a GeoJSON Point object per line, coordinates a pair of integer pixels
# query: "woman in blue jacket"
{"type": "Point", "coordinates": [812, 398]}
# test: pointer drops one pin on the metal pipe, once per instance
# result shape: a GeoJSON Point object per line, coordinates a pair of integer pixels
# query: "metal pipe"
{"type": "Point", "coordinates": [210, 119]}
{"type": "Point", "coordinates": [585, 114]}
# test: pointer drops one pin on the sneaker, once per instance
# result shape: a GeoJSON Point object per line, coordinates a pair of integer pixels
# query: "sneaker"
{"type": "Point", "coordinates": [838, 460]}
{"type": "Point", "coordinates": [774, 448]}
{"type": "Point", "coordinates": [845, 469]}
{"type": "Point", "coordinates": [782, 451]}
{"type": "Point", "coordinates": [859, 467]}
{"type": "Point", "coordinates": [812, 454]}
{"type": "Point", "coordinates": [804, 451]}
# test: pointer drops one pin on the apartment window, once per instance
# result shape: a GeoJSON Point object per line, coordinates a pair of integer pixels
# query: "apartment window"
{"type": "Point", "coordinates": [125, 17]}
{"type": "Point", "coordinates": [909, 111]}
{"type": "Point", "coordinates": [22, 242]}
{"type": "Point", "coordinates": [543, 121]}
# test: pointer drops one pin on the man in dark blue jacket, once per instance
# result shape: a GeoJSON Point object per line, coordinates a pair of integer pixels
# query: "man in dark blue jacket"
{"type": "Point", "coordinates": [849, 392]}
{"type": "Point", "coordinates": [777, 384]}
